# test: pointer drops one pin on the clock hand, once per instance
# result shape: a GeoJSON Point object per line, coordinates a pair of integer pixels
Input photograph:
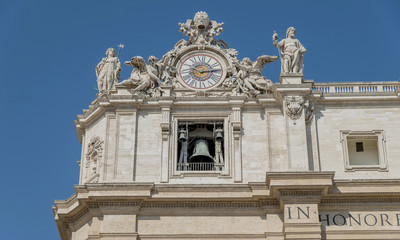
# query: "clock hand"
{"type": "Point", "coordinates": [211, 70]}
{"type": "Point", "coordinates": [200, 71]}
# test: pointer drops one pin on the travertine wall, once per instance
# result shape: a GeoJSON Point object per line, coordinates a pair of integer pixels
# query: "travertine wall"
{"type": "Point", "coordinates": [330, 119]}
{"type": "Point", "coordinates": [148, 147]}
{"type": "Point", "coordinates": [133, 137]}
{"type": "Point", "coordinates": [254, 137]}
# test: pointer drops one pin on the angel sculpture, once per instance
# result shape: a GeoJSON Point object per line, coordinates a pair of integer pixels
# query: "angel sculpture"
{"type": "Point", "coordinates": [168, 72]}
{"type": "Point", "coordinates": [248, 79]}
{"type": "Point", "coordinates": [144, 78]}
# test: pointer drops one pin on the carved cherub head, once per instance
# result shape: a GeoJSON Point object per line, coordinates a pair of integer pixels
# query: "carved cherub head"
{"type": "Point", "coordinates": [201, 20]}
{"type": "Point", "coordinates": [290, 32]}
{"type": "Point", "coordinates": [152, 60]}
{"type": "Point", "coordinates": [246, 61]}
{"type": "Point", "coordinates": [110, 52]}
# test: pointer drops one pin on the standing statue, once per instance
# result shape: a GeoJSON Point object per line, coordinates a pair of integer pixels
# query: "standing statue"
{"type": "Point", "coordinates": [219, 156]}
{"type": "Point", "coordinates": [291, 52]}
{"type": "Point", "coordinates": [108, 71]}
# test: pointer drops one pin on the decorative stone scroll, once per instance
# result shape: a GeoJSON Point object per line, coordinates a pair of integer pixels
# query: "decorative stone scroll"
{"type": "Point", "coordinates": [94, 159]}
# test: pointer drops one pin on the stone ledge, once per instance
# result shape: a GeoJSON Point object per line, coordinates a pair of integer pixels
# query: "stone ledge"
{"type": "Point", "coordinates": [301, 181]}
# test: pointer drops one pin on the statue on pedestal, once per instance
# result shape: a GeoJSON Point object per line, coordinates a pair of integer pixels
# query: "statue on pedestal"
{"type": "Point", "coordinates": [291, 51]}
{"type": "Point", "coordinates": [108, 71]}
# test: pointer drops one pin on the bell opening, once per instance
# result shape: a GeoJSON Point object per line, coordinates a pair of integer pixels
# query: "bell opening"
{"type": "Point", "coordinates": [200, 146]}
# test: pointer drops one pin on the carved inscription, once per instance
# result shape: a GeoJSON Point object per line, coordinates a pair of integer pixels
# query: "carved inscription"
{"type": "Point", "coordinates": [302, 213]}
{"type": "Point", "coordinates": [298, 212]}
{"type": "Point", "coordinates": [365, 219]}
{"type": "Point", "coordinates": [349, 220]}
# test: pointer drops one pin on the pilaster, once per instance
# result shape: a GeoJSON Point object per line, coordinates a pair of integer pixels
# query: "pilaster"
{"type": "Point", "coordinates": [236, 124]}
{"type": "Point", "coordinates": [301, 214]}
{"type": "Point", "coordinates": [294, 95]}
{"type": "Point", "coordinates": [299, 195]}
{"type": "Point", "coordinates": [124, 164]}
{"type": "Point", "coordinates": [165, 125]}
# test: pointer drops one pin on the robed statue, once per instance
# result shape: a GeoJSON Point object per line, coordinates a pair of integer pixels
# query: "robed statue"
{"type": "Point", "coordinates": [108, 71]}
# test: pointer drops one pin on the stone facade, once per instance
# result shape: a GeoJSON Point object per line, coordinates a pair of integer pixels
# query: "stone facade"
{"type": "Point", "coordinates": [292, 162]}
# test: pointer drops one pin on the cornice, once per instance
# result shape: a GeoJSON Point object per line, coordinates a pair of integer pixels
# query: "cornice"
{"type": "Point", "coordinates": [207, 236]}
{"type": "Point", "coordinates": [208, 204]}
{"type": "Point", "coordinates": [97, 199]}
{"type": "Point", "coordinates": [358, 201]}
{"type": "Point", "coordinates": [299, 193]}
{"type": "Point", "coordinates": [77, 216]}
{"type": "Point", "coordinates": [351, 97]}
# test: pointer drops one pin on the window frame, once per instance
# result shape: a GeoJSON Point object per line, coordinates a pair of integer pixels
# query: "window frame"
{"type": "Point", "coordinates": [228, 140]}
{"type": "Point", "coordinates": [382, 165]}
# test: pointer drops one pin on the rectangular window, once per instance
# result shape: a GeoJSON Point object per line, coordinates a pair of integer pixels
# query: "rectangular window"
{"type": "Point", "coordinates": [359, 147]}
{"type": "Point", "coordinates": [364, 150]}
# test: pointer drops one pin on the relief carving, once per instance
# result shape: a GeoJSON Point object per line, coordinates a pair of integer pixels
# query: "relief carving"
{"type": "Point", "coordinates": [247, 79]}
{"type": "Point", "coordinates": [309, 110]}
{"type": "Point", "coordinates": [201, 30]}
{"type": "Point", "coordinates": [158, 78]}
{"type": "Point", "coordinates": [94, 160]}
{"type": "Point", "coordinates": [294, 107]}
{"type": "Point", "coordinates": [144, 78]}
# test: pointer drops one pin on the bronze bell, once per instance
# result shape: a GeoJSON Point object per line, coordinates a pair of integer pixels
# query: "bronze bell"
{"type": "Point", "coordinates": [182, 135]}
{"type": "Point", "coordinates": [219, 134]}
{"type": "Point", "coordinates": [200, 152]}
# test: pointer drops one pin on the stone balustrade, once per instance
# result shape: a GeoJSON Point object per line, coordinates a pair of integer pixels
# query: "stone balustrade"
{"type": "Point", "coordinates": [356, 87]}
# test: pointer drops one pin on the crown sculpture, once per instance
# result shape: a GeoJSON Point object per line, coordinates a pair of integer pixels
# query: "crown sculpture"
{"type": "Point", "coordinates": [199, 65]}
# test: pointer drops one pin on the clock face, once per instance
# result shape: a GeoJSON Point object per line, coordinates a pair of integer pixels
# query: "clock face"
{"type": "Point", "coordinates": [201, 71]}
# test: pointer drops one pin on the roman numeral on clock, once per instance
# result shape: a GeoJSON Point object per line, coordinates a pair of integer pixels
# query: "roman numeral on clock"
{"type": "Point", "coordinates": [216, 64]}
{"type": "Point", "coordinates": [215, 77]}
{"type": "Point", "coordinates": [186, 70]}
{"type": "Point", "coordinates": [193, 82]}
{"type": "Point", "coordinates": [186, 77]}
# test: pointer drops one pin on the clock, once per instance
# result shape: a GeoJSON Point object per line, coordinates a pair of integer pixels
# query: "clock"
{"type": "Point", "coordinates": [201, 70]}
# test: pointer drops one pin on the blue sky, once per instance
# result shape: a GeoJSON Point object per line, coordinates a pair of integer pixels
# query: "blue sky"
{"type": "Point", "coordinates": [51, 48]}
